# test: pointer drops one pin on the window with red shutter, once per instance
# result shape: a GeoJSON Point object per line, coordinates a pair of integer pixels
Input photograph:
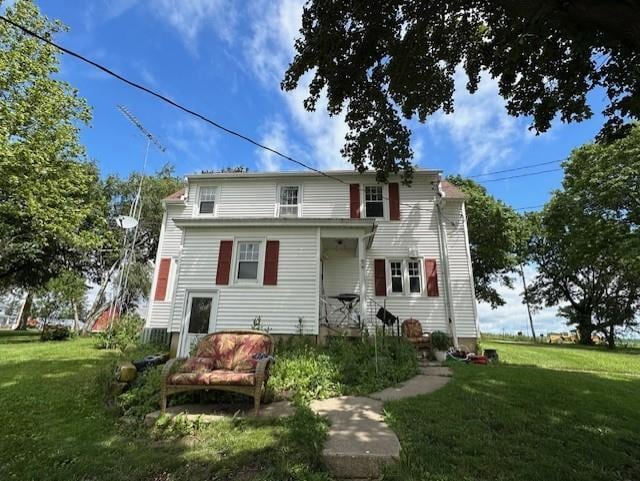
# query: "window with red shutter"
{"type": "Point", "coordinates": [224, 262]}
{"type": "Point", "coordinates": [380, 277]}
{"type": "Point", "coordinates": [354, 201]}
{"type": "Point", "coordinates": [394, 201]}
{"type": "Point", "coordinates": [272, 252]}
{"type": "Point", "coordinates": [431, 273]}
{"type": "Point", "coordinates": [163, 279]}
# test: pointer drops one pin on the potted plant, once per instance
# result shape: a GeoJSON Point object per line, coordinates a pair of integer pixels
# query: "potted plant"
{"type": "Point", "coordinates": [440, 342]}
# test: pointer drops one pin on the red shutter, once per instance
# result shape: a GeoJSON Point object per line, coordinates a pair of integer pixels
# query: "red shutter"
{"type": "Point", "coordinates": [394, 201]}
{"type": "Point", "coordinates": [380, 277]}
{"type": "Point", "coordinates": [224, 262]}
{"type": "Point", "coordinates": [354, 201]}
{"type": "Point", "coordinates": [431, 274]}
{"type": "Point", "coordinates": [271, 255]}
{"type": "Point", "coordinates": [163, 279]}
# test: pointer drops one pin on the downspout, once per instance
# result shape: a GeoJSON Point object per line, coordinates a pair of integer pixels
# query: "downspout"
{"type": "Point", "coordinates": [362, 261]}
{"type": "Point", "coordinates": [444, 262]}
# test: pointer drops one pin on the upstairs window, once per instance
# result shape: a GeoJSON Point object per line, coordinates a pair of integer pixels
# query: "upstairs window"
{"type": "Point", "coordinates": [248, 259]}
{"type": "Point", "coordinates": [289, 200]}
{"type": "Point", "coordinates": [373, 201]}
{"type": "Point", "coordinates": [207, 200]}
{"type": "Point", "coordinates": [413, 268]}
{"type": "Point", "coordinates": [396, 276]}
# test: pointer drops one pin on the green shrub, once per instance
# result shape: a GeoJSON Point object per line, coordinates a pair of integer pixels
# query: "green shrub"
{"type": "Point", "coordinates": [123, 334]}
{"type": "Point", "coordinates": [55, 333]}
{"type": "Point", "coordinates": [143, 396]}
{"type": "Point", "coordinates": [440, 341]}
{"type": "Point", "coordinates": [344, 366]}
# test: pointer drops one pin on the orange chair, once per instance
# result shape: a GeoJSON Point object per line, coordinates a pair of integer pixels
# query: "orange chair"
{"type": "Point", "coordinates": [412, 330]}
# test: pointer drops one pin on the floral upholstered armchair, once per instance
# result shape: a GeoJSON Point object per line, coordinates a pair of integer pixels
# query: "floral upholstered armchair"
{"type": "Point", "coordinates": [236, 361]}
{"type": "Point", "coordinates": [412, 330]}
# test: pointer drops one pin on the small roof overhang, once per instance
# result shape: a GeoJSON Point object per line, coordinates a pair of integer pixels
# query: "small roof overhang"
{"type": "Point", "coordinates": [368, 224]}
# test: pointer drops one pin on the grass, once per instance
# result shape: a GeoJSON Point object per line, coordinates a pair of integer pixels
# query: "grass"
{"type": "Point", "coordinates": [546, 412]}
{"type": "Point", "coordinates": [54, 427]}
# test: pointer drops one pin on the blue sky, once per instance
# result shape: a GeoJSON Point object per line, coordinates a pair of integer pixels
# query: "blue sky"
{"type": "Point", "coordinates": [225, 59]}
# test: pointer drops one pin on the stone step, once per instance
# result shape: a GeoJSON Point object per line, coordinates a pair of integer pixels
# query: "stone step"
{"type": "Point", "coordinates": [359, 443]}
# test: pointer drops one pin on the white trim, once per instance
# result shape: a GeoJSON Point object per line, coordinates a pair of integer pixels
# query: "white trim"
{"type": "Point", "coordinates": [216, 202]}
{"type": "Point", "coordinates": [278, 197]}
{"type": "Point", "coordinates": [474, 302]}
{"type": "Point", "coordinates": [390, 292]}
{"type": "Point", "coordinates": [213, 315]}
{"type": "Point", "coordinates": [318, 279]}
{"type": "Point", "coordinates": [404, 266]}
{"type": "Point", "coordinates": [156, 270]}
{"type": "Point", "coordinates": [262, 242]}
{"type": "Point", "coordinates": [385, 201]}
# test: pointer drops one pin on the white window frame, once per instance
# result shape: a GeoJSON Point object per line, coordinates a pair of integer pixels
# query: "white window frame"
{"type": "Point", "coordinates": [236, 258]}
{"type": "Point", "coordinates": [390, 291]}
{"type": "Point", "coordinates": [279, 198]}
{"type": "Point", "coordinates": [406, 289]}
{"type": "Point", "coordinates": [363, 201]}
{"type": "Point", "coordinates": [420, 277]}
{"type": "Point", "coordinates": [216, 201]}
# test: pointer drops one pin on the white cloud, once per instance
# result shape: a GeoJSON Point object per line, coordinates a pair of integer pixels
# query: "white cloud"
{"type": "Point", "coordinates": [190, 17]}
{"type": "Point", "coordinates": [275, 137]}
{"type": "Point", "coordinates": [481, 129]}
{"type": "Point", "coordinates": [513, 317]}
{"type": "Point", "coordinates": [196, 141]}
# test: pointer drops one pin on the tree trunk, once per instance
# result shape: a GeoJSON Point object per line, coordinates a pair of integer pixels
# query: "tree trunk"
{"type": "Point", "coordinates": [75, 317]}
{"type": "Point", "coordinates": [611, 337]}
{"type": "Point", "coordinates": [98, 304]}
{"type": "Point", "coordinates": [585, 330]}
{"type": "Point", "coordinates": [526, 300]}
{"type": "Point", "coordinates": [26, 312]}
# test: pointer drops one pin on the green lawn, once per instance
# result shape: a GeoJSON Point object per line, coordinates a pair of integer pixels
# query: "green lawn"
{"type": "Point", "coordinates": [546, 413]}
{"type": "Point", "coordinates": [54, 427]}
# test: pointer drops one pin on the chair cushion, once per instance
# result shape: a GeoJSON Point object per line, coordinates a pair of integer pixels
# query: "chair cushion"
{"type": "Point", "coordinates": [198, 364]}
{"type": "Point", "coordinates": [234, 351]}
{"type": "Point", "coordinates": [412, 328]}
{"type": "Point", "coordinates": [214, 378]}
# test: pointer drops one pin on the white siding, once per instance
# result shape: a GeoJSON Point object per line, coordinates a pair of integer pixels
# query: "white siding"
{"type": "Point", "coordinates": [279, 306]}
{"type": "Point", "coordinates": [169, 246]}
{"type": "Point", "coordinates": [325, 198]}
{"type": "Point", "coordinates": [461, 282]}
{"type": "Point", "coordinates": [416, 229]}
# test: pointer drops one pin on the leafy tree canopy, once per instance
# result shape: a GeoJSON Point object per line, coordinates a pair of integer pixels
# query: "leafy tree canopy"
{"type": "Point", "coordinates": [390, 60]}
{"type": "Point", "coordinates": [494, 233]}
{"type": "Point", "coordinates": [52, 209]}
{"type": "Point", "coordinates": [586, 243]}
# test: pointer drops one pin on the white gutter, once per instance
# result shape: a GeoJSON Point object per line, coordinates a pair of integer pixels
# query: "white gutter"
{"type": "Point", "coordinates": [444, 262]}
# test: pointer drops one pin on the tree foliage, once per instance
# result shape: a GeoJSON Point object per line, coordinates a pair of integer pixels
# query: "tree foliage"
{"type": "Point", "coordinates": [62, 297]}
{"type": "Point", "coordinates": [52, 211]}
{"type": "Point", "coordinates": [387, 61]}
{"type": "Point", "coordinates": [494, 234]}
{"type": "Point", "coordinates": [586, 243]}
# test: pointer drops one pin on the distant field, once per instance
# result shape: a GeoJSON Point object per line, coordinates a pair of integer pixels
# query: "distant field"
{"type": "Point", "coordinates": [625, 361]}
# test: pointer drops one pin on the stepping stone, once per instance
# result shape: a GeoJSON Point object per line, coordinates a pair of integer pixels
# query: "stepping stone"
{"type": "Point", "coordinates": [210, 413]}
{"type": "Point", "coordinates": [359, 443]}
{"type": "Point", "coordinates": [415, 386]}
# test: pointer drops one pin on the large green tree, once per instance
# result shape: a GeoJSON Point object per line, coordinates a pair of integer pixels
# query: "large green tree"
{"type": "Point", "coordinates": [587, 244]}
{"type": "Point", "coordinates": [494, 232]}
{"type": "Point", "coordinates": [52, 207]}
{"type": "Point", "coordinates": [389, 60]}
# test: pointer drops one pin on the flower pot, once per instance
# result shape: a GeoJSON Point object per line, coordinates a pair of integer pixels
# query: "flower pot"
{"type": "Point", "coordinates": [440, 356]}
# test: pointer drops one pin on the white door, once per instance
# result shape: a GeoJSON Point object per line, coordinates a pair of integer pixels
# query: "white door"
{"type": "Point", "coordinates": [200, 319]}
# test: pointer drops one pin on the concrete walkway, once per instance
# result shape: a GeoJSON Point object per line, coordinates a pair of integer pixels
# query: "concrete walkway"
{"type": "Point", "coordinates": [359, 443]}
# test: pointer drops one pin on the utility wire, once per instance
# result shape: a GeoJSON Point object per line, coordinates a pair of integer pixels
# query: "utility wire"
{"type": "Point", "coordinates": [514, 169]}
{"type": "Point", "coordinates": [528, 207]}
{"type": "Point", "coordinates": [222, 127]}
{"type": "Point", "coordinates": [518, 176]}
{"type": "Point", "coordinates": [163, 98]}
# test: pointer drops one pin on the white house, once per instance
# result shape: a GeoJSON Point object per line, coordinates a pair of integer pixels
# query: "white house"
{"type": "Point", "coordinates": [235, 246]}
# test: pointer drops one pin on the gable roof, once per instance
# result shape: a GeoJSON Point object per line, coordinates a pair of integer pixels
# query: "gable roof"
{"type": "Point", "coordinates": [176, 195]}
{"type": "Point", "coordinates": [451, 191]}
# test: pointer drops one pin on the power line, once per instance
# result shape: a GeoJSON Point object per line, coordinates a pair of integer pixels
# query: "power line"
{"type": "Point", "coordinates": [518, 176]}
{"type": "Point", "coordinates": [528, 207]}
{"type": "Point", "coordinates": [514, 169]}
{"type": "Point", "coordinates": [226, 129]}
{"type": "Point", "coordinates": [163, 98]}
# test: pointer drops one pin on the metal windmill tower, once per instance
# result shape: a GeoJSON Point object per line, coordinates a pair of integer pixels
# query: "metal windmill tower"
{"type": "Point", "coordinates": [130, 223]}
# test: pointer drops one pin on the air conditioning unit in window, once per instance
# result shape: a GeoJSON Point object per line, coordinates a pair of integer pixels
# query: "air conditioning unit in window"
{"type": "Point", "coordinates": [414, 252]}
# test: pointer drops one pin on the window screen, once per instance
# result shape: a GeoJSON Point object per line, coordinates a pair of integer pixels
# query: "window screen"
{"type": "Point", "coordinates": [414, 276]}
{"type": "Point", "coordinates": [396, 276]}
{"type": "Point", "coordinates": [248, 257]}
{"type": "Point", "coordinates": [289, 201]}
{"type": "Point", "coordinates": [207, 200]}
{"type": "Point", "coordinates": [374, 204]}
{"type": "Point", "coordinates": [200, 315]}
